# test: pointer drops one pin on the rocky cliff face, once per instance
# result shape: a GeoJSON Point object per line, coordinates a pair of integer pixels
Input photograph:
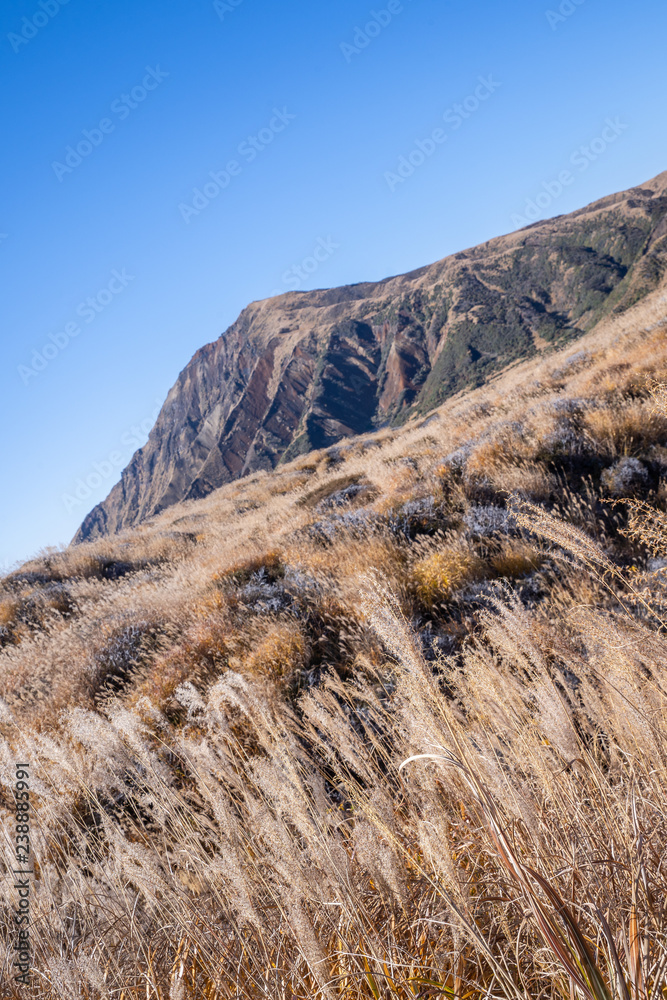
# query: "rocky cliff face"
{"type": "Point", "coordinates": [305, 369]}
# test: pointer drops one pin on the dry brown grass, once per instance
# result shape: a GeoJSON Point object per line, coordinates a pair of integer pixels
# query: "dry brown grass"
{"type": "Point", "coordinates": [516, 558]}
{"type": "Point", "coordinates": [216, 708]}
{"type": "Point", "coordinates": [8, 609]}
{"type": "Point", "coordinates": [626, 428]}
{"type": "Point", "coordinates": [529, 480]}
{"type": "Point", "coordinates": [438, 574]}
{"type": "Point", "coordinates": [280, 649]}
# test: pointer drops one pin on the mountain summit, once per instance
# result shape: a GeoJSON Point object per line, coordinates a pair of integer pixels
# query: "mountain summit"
{"type": "Point", "coordinates": [305, 369]}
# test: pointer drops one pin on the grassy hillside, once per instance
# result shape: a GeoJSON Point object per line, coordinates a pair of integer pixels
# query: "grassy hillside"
{"type": "Point", "coordinates": [216, 705]}
{"type": "Point", "coordinates": [303, 370]}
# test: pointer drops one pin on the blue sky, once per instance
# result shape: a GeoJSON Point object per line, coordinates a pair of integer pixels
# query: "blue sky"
{"type": "Point", "coordinates": [318, 121]}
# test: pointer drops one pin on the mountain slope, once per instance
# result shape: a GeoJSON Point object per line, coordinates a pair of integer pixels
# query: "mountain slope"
{"type": "Point", "coordinates": [303, 370]}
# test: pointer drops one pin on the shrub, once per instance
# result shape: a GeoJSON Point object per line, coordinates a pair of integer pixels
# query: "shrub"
{"type": "Point", "coordinates": [350, 524]}
{"type": "Point", "coordinates": [269, 563]}
{"type": "Point", "coordinates": [120, 653]}
{"type": "Point", "coordinates": [516, 558]}
{"type": "Point", "coordinates": [506, 445]}
{"type": "Point", "coordinates": [529, 480]}
{"type": "Point", "coordinates": [436, 576]}
{"type": "Point", "coordinates": [327, 490]}
{"type": "Point", "coordinates": [486, 520]}
{"type": "Point", "coordinates": [281, 651]}
{"type": "Point", "coordinates": [627, 477]}
{"type": "Point", "coordinates": [627, 428]}
{"type": "Point", "coordinates": [9, 606]}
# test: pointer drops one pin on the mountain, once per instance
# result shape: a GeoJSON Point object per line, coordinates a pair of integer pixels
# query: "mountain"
{"type": "Point", "coordinates": [305, 369]}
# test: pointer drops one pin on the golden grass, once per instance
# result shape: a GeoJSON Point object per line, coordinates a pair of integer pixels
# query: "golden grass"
{"type": "Point", "coordinates": [280, 649]}
{"type": "Point", "coordinates": [516, 558]}
{"type": "Point", "coordinates": [529, 480]}
{"type": "Point", "coordinates": [8, 608]}
{"type": "Point", "coordinates": [217, 706]}
{"type": "Point", "coordinates": [439, 574]}
{"type": "Point", "coordinates": [625, 429]}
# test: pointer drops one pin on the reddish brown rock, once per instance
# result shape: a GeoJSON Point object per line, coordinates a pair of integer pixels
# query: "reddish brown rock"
{"type": "Point", "coordinates": [305, 369]}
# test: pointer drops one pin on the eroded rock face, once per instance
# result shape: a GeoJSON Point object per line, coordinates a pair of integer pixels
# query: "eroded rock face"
{"type": "Point", "coordinates": [304, 369]}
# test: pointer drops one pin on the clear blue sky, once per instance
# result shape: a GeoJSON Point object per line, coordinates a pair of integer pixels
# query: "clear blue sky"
{"type": "Point", "coordinates": [170, 92]}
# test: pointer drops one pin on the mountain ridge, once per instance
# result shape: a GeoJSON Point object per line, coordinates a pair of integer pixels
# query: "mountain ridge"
{"type": "Point", "coordinates": [304, 369]}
